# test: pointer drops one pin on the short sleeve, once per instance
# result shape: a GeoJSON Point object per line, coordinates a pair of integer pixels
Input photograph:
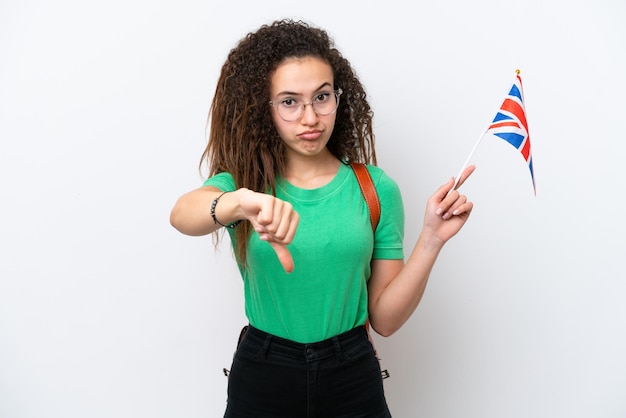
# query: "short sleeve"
{"type": "Point", "coordinates": [223, 181]}
{"type": "Point", "coordinates": [389, 237]}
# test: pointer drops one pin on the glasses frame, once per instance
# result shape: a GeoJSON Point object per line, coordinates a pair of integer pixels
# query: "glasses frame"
{"type": "Point", "coordinates": [303, 106]}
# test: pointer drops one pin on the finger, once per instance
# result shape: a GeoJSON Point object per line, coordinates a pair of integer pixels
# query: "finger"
{"type": "Point", "coordinates": [283, 219]}
{"type": "Point", "coordinates": [291, 227]}
{"type": "Point", "coordinates": [444, 190]}
{"type": "Point", "coordinates": [266, 214]}
{"type": "Point", "coordinates": [444, 197]}
{"type": "Point", "coordinates": [284, 256]}
{"type": "Point", "coordinates": [464, 210]}
{"type": "Point", "coordinates": [465, 175]}
{"type": "Point", "coordinates": [456, 208]}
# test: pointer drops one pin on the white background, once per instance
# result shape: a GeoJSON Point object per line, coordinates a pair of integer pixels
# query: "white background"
{"type": "Point", "coordinates": [107, 311]}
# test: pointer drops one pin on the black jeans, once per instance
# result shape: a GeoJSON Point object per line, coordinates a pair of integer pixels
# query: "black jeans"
{"type": "Point", "coordinates": [274, 377]}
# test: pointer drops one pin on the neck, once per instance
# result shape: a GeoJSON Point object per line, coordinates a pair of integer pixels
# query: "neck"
{"type": "Point", "coordinates": [311, 173]}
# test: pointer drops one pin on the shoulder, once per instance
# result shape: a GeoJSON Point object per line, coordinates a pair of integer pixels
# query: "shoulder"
{"type": "Point", "coordinates": [382, 181]}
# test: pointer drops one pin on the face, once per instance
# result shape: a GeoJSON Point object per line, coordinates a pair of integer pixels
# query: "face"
{"type": "Point", "coordinates": [297, 81]}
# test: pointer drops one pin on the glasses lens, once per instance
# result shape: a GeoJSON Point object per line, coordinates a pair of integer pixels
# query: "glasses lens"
{"type": "Point", "coordinates": [326, 103]}
{"type": "Point", "coordinates": [289, 113]}
{"type": "Point", "coordinates": [323, 104]}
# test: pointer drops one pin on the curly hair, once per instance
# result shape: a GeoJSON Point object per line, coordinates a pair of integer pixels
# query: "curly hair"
{"type": "Point", "coordinates": [242, 138]}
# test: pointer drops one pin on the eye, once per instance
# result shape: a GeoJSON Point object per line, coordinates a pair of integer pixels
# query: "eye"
{"type": "Point", "coordinates": [289, 102]}
{"type": "Point", "coordinates": [322, 97]}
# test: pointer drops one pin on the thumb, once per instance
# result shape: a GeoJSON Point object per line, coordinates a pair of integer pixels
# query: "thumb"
{"type": "Point", "coordinates": [284, 256]}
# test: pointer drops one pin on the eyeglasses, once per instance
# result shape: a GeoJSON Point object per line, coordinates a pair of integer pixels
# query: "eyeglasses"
{"type": "Point", "coordinates": [291, 109]}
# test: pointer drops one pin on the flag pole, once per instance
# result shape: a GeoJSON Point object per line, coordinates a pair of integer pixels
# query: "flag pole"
{"type": "Point", "coordinates": [458, 177]}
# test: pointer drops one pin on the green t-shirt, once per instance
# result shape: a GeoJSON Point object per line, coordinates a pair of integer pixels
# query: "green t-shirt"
{"type": "Point", "coordinates": [326, 294]}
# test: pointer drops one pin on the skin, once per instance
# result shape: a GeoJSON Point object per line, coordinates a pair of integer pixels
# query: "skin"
{"type": "Point", "coordinates": [395, 288]}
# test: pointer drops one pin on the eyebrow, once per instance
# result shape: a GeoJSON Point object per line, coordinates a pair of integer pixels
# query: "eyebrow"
{"type": "Point", "coordinates": [293, 93]}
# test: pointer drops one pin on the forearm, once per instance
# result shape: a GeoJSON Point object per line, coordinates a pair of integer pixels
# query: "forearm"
{"type": "Point", "coordinates": [395, 292]}
{"type": "Point", "coordinates": [399, 299]}
{"type": "Point", "coordinates": [191, 214]}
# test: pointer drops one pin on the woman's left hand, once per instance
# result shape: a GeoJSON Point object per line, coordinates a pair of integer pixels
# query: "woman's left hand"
{"type": "Point", "coordinates": [447, 210]}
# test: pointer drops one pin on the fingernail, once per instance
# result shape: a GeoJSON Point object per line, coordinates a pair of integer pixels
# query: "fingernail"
{"type": "Point", "coordinates": [439, 210]}
{"type": "Point", "coordinates": [456, 212]}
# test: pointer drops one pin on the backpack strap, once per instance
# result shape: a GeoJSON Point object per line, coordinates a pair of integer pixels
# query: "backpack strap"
{"type": "Point", "coordinates": [369, 192]}
{"type": "Point", "coordinates": [368, 189]}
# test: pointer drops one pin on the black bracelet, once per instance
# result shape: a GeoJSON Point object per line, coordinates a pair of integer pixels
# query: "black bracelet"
{"type": "Point", "coordinates": [213, 205]}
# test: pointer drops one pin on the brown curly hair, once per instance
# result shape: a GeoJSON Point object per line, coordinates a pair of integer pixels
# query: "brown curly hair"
{"type": "Point", "coordinates": [242, 138]}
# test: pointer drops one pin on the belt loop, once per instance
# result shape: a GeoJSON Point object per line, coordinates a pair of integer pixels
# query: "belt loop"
{"type": "Point", "coordinates": [338, 350]}
{"type": "Point", "coordinates": [266, 346]}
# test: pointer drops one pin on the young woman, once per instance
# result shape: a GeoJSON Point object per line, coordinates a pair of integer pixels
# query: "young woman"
{"type": "Point", "coordinates": [288, 116]}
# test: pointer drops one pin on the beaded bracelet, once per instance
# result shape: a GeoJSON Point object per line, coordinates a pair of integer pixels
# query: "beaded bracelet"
{"type": "Point", "coordinates": [213, 205]}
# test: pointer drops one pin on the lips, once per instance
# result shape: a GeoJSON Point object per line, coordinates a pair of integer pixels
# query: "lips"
{"type": "Point", "coordinates": [310, 135]}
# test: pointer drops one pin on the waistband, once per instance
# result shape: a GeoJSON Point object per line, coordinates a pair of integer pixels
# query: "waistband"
{"type": "Point", "coordinates": [311, 351]}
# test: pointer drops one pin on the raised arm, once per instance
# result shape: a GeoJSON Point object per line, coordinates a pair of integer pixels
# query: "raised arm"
{"type": "Point", "coordinates": [395, 288]}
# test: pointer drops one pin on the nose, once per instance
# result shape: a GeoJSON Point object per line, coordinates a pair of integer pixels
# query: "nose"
{"type": "Point", "coordinates": [309, 116]}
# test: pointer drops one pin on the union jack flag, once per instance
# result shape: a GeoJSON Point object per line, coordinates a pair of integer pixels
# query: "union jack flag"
{"type": "Point", "coordinates": [510, 124]}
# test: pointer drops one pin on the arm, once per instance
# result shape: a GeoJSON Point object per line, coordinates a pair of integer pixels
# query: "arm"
{"type": "Point", "coordinates": [395, 288]}
{"type": "Point", "coordinates": [273, 219]}
{"type": "Point", "coordinates": [191, 213]}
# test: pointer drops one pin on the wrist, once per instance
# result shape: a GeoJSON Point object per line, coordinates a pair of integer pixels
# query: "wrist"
{"type": "Point", "coordinates": [224, 222]}
{"type": "Point", "coordinates": [430, 241]}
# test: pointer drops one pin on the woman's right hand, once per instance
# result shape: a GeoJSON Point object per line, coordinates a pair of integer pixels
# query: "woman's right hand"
{"type": "Point", "coordinates": [274, 220]}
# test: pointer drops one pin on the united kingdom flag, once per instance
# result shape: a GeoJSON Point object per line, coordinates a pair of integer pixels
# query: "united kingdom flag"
{"type": "Point", "coordinates": [510, 124]}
